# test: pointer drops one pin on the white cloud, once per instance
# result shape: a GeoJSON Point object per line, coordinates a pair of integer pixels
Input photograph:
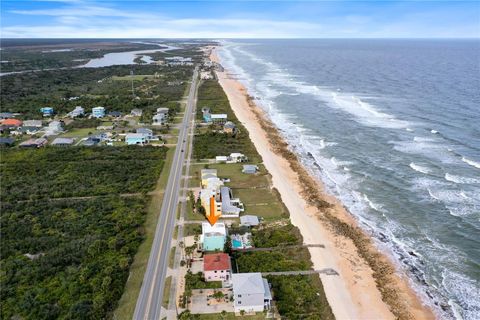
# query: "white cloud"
{"type": "Point", "coordinates": [87, 19]}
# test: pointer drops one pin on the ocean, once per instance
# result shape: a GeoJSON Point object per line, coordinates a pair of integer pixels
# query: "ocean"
{"type": "Point", "coordinates": [392, 128]}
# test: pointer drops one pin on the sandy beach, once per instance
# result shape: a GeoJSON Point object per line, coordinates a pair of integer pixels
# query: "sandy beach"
{"type": "Point", "coordinates": [360, 291]}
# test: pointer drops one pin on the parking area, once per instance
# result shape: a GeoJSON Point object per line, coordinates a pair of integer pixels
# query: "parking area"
{"type": "Point", "coordinates": [202, 301]}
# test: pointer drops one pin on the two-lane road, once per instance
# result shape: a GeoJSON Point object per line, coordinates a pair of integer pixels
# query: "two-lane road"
{"type": "Point", "coordinates": [149, 301]}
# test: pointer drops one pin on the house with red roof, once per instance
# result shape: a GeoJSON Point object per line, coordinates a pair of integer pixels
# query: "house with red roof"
{"type": "Point", "coordinates": [11, 123]}
{"type": "Point", "coordinates": [217, 267]}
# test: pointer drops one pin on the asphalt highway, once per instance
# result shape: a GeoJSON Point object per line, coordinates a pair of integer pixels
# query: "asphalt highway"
{"type": "Point", "coordinates": [149, 302]}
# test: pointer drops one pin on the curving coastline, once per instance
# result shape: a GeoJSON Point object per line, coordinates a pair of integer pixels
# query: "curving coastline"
{"type": "Point", "coordinates": [369, 285]}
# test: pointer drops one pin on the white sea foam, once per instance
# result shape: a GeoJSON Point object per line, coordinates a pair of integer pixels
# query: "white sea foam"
{"type": "Point", "coordinates": [434, 131]}
{"type": "Point", "coordinates": [336, 176]}
{"type": "Point", "coordinates": [464, 289]}
{"type": "Point", "coordinates": [362, 111]}
{"type": "Point", "coordinates": [471, 162]}
{"type": "Point", "coordinates": [420, 168]}
{"type": "Point", "coordinates": [371, 204]}
{"type": "Point", "coordinates": [461, 180]}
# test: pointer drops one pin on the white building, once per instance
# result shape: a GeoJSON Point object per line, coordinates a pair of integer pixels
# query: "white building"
{"type": "Point", "coordinates": [54, 127]}
{"type": "Point", "coordinates": [221, 159]}
{"type": "Point", "coordinates": [251, 292]}
{"type": "Point", "coordinates": [237, 157]}
{"type": "Point", "coordinates": [78, 111]}
{"type": "Point", "coordinates": [230, 206]}
{"type": "Point", "coordinates": [32, 123]}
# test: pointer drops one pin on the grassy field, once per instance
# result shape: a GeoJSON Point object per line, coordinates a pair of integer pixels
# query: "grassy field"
{"type": "Point", "coordinates": [79, 133]}
{"type": "Point", "coordinates": [126, 305]}
{"type": "Point", "coordinates": [261, 202]}
{"type": "Point", "coordinates": [166, 291]}
{"type": "Point", "coordinates": [171, 257]}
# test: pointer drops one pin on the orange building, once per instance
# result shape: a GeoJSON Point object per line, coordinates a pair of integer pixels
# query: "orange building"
{"type": "Point", "coordinates": [12, 122]}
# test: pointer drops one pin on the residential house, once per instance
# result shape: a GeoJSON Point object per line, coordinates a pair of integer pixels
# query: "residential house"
{"type": "Point", "coordinates": [136, 139]}
{"type": "Point", "coordinates": [213, 238]}
{"type": "Point", "coordinates": [219, 118]}
{"type": "Point", "coordinates": [6, 142]}
{"type": "Point", "coordinates": [136, 112]}
{"type": "Point", "coordinates": [250, 169]}
{"type": "Point", "coordinates": [77, 112]}
{"type": "Point", "coordinates": [237, 157]}
{"type": "Point", "coordinates": [229, 127]}
{"type": "Point", "coordinates": [47, 111]}
{"type": "Point", "coordinates": [251, 292]}
{"type": "Point", "coordinates": [33, 123]}
{"type": "Point", "coordinates": [5, 115]}
{"type": "Point", "coordinates": [147, 132]}
{"type": "Point", "coordinates": [98, 112]}
{"type": "Point", "coordinates": [221, 159]}
{"type": "Point", "coordinates": [12, 123]}
{"type": "Point", "coordinates": [162, 110]}
{"type": "Point", "coordinates": [34, 143]}
{"type": "Point", "coordinates": [207, 173]}
{"type": "Point", "coordinates": [231, 207]}
{"type": "Point", "coordinates": [217, 267]}
{"type": "Point", "coordinates": [62, 142]}
{"type": "Point", "coordinates": [249, 221]}
{"type": "Point", "coordinates": [115, 114]}
{"type": "Point", "coordinates": [26, 130]}
{"type": "Point", "coordinates": [91, 141]}
{"type": "Point", "coordinates": [54, 127]}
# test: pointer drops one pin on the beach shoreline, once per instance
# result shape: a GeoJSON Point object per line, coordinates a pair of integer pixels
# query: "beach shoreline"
{"type": "Point", "coordinates": [368, 285]}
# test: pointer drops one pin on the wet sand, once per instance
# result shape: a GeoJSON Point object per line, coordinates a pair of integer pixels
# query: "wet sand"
{"type": "Point", "coordinates": [368, 285]}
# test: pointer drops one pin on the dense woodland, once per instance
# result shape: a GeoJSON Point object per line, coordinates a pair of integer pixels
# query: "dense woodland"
{"type": "Point", "coordinates": [209, 144]}
{"type": "Point", "coordinates": [27, 93]}
{"type": "Point", "coordinates": [81, 248]}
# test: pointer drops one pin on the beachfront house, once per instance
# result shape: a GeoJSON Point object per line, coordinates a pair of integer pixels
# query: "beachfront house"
{"type": "Point", "coordinates": [249, 220]}
{"type": "Point", "coordinates": [251, 292]}
{"type": "Point", "coordinates": [62, 142]}
{"type": "Point", "coordinates": [213, 238]}
{"type": "Point", "coordinates": [206, 174]}
{"type": "Point", "coordinates": [47, 111]}
{"type": "Point", "coordinates": [77, 112]}
{"type": "Point", "coordinates": [231, 207]}
{"type": "Point", "coordinates": [217, 267]}
{"type": "Point", "coordinates": [237, 157]}
{"type": "Point", "coordinates": [219, 118]}
{"type": "Point", "coordinates": [136, 139]}
{"type": "Point", "coordinates": [221, 159]}
{"type": "Point", "coordinates": [98, 112]}
{"type": "Point", "coordinates": [250, 169]}
{"type": "Point", "coordinates": [229, 127]}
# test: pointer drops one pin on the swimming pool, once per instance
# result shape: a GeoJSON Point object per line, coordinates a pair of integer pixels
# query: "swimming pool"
{"type": "Point", "coordinates": [237, 244]}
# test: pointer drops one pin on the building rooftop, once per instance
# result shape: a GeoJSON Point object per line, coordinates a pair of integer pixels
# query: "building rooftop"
{"type": "Point", "coordinates": [62, 141]}
{"type": "Point", "coordinates": [227, 202]}
{"type": "Point", "coordinates": [249, 220]}
{"type": "Point", "coordinates": [217, 261]}
{"type": "Point", "coordinates": [248, 283]}
{"type": "Point", "coordinates": [134, 136]}
{"type": "Point", "coordinates": [219, 116]}
{"type": "Point", "coordinates": [217, 228]}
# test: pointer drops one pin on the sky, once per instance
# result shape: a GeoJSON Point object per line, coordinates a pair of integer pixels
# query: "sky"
{"type": "Point", "coordinates": [240, 19]}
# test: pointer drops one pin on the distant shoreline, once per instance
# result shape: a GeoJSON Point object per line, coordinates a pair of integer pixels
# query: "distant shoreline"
{"type": "Point", "coordinates": [369, 286]}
